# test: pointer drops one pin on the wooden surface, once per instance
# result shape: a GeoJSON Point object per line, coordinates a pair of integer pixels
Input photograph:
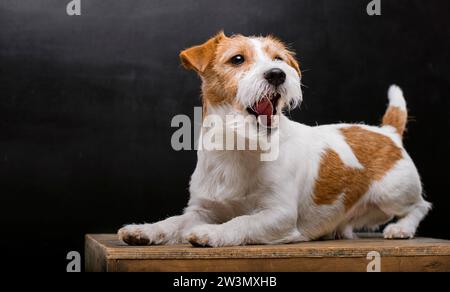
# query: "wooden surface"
{"type": "Point", "coordinates": [104, 252]}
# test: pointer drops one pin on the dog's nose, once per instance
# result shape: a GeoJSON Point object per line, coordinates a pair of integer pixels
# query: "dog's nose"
{"type": "Point", "coordinates": [275, 76]}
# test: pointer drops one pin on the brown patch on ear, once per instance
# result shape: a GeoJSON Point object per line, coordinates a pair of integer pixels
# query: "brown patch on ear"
{"type": "Point", "coordinates": [294, 63]}
{"type": "Point", "coordinates": [376, 152]}
{"type": "Point", "coordinates": [199, 57]}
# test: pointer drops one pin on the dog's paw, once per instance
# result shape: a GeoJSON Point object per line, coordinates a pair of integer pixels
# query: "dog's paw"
{"type": "Point", "coordinates": [144, 234]}
{"type": "Point", "coordinates": [205, 236]}
{"type": "Point", "coordinates": [133, 235]}
{"type": "Point", "coordinates": [346, 233]}
{"type": "Point", "coordinates": [398, 231]}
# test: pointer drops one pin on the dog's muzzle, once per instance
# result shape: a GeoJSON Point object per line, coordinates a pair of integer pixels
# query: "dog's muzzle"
{"type": "Point", "coordinates": [266, 106]}
{"type": "Point", "coordinates": [275, 76]}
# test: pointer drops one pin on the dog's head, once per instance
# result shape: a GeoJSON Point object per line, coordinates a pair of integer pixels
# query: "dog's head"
{"type": "Point", "coordinates": [255, 75]}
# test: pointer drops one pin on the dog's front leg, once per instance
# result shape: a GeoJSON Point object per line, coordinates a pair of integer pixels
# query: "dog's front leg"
{"type": "Point", "coordinates": [168, 231]}
{"type": "Point", "coordinates": [269, 226]}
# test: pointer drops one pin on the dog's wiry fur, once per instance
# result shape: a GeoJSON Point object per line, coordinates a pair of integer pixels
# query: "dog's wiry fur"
{"type": "Point", "coordinates": [327, 180]}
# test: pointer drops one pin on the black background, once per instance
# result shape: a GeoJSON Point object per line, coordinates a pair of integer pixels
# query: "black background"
{"type": "Point", "coordinates": [86, 101]}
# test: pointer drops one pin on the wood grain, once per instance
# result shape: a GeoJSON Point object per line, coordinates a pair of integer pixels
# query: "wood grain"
{"type": "Point", "coordinates": [389, 264]}
{"type": "Point", "coordinates": [104, 252]}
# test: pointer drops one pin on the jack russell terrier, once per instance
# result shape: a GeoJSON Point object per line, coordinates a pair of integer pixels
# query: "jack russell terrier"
{"type": "Point", "coordinates": [327, 181]}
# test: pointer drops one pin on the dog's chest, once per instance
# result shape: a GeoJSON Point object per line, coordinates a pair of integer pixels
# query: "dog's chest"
{"type": "Point", "coordinates": [225, 175]}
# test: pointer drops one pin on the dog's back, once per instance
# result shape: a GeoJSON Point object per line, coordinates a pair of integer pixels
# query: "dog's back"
{"type": "Point", "coordinates": [365, 178]}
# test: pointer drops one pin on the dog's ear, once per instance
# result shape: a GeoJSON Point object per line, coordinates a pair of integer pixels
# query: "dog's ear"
{"type": "Point", "coordinates": [199, 57]}
{"type": "Point", "coordinates": [294, 63]}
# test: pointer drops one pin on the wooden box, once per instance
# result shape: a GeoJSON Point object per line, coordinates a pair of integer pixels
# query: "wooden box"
{"type": "Point", "coordinates": [104, 252]}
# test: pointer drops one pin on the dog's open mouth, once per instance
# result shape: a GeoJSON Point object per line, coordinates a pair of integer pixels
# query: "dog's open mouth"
{"type": "Point", "coordinates": [266, 107]}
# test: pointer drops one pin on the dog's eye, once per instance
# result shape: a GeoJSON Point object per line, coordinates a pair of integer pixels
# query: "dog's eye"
{"type": "Point", "coordinates": [278, 58]}
{"type": "Point", "coordinates": [237, 60]}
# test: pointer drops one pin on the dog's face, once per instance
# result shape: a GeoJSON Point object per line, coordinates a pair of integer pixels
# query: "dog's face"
{"type": "Point", "coordinates": [256, 75]}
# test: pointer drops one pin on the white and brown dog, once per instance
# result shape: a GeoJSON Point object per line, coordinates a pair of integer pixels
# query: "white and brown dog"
{"type": "Point", "coordinates": [327, 180]}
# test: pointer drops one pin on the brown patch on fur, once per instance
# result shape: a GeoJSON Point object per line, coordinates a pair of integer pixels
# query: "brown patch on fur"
{"type": "Point", "coordinates": [199, 57]}
{"type": "Point", "coordinates": [274, 48]}
{"type": "Point", "coordinates": [198, 242]}
{"type": "Point", "coordinates": [397, 118]}
{"type": "Point", "coordinates": [136, 237]}
{"type": "Point", "coordinates": [376, 152]}
{"type": "Point", "coordinates": [220, 78]}
{"type": "Point", "coordinates": [211, 61]}
{"type": "Point", "coordinates": [294, 63]}
{"type": "Point", "coordinates": [220, 81]}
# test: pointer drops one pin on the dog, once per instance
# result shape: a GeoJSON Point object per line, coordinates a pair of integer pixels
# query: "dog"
{"type": "Point", "coordinates": [327, 181]}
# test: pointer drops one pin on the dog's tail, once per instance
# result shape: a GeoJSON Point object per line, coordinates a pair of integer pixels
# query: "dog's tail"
{"type": "Point", "coordinates": [396, 115]}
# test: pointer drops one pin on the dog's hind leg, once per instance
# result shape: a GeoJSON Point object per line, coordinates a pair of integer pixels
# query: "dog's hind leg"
{"type": "Point", "coordinates": [406, 226]}
{"type": "Point", "coordinates": [399, 195]}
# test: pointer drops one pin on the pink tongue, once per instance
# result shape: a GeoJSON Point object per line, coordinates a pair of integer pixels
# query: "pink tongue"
{"type": "Point", "coordinates": [265, 108]}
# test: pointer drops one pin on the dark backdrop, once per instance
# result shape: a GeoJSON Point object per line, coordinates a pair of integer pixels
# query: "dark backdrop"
{"type": "Point", "coordinates": [86, 101]}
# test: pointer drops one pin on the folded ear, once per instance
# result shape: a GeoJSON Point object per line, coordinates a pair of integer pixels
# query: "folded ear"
{"type": "Point", "coordinates": [293, 63]}
{"type": "Point", "coordinates": [198, 57]}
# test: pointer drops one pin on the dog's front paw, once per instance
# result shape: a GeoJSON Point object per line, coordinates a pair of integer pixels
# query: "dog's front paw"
{"type": "Point", "coordinates": [206, 235]}
{"type": "Point", "coordinates": [144, 234]}
{"type": "Point", "coordinates": [398, 231]}
{"type": "Point", "coordinates": [133, 235]}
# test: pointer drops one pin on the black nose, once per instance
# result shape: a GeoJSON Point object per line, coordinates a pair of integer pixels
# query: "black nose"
{"type": "Point", "coordinates": [275, 76]}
